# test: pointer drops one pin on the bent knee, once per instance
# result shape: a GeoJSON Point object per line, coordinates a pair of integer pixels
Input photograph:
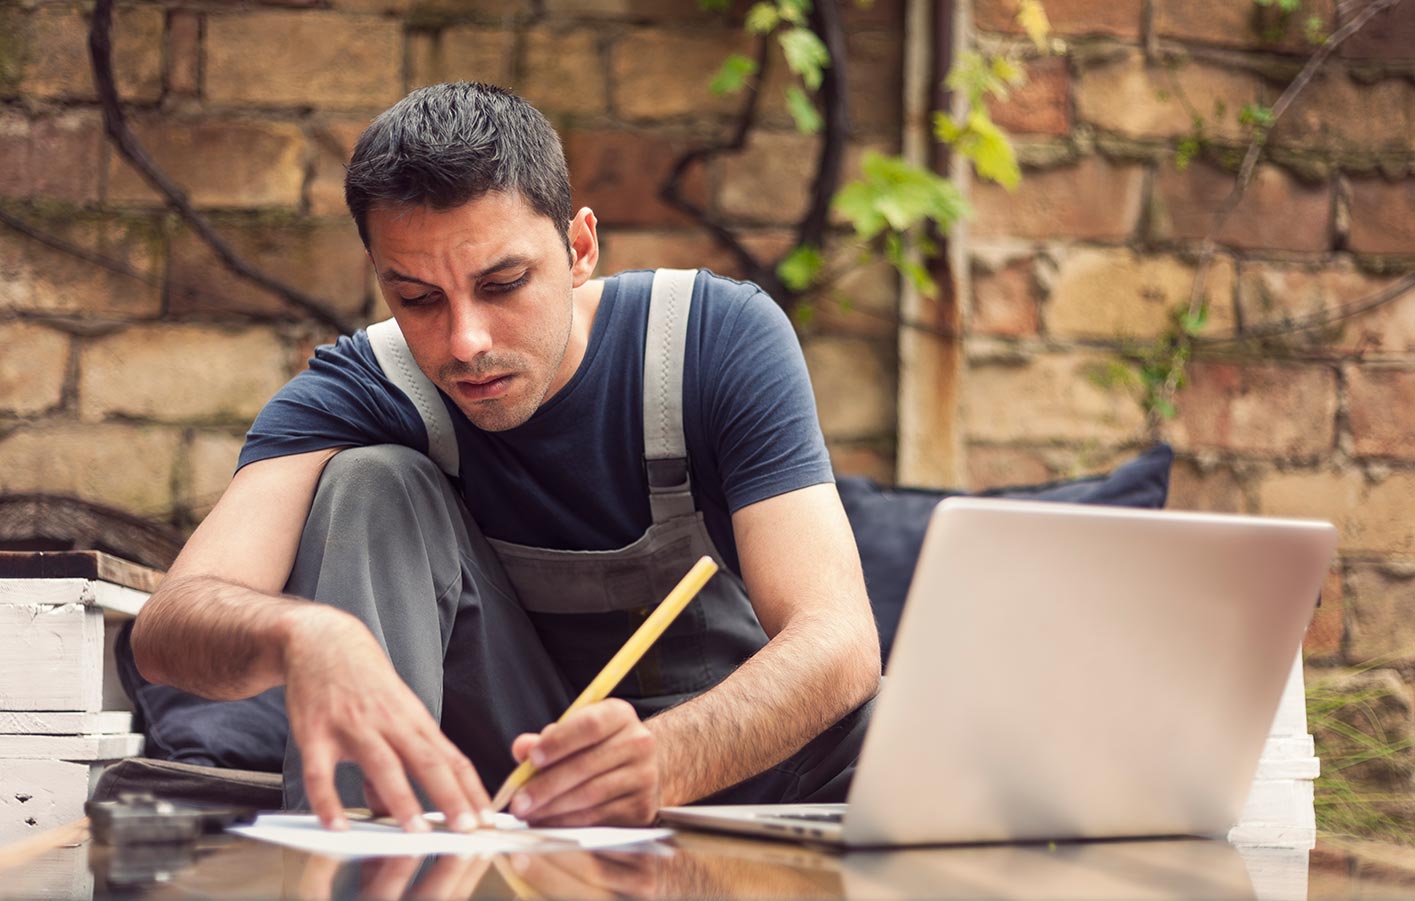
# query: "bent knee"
{"type": "Point", "coordinates": [379, 471]}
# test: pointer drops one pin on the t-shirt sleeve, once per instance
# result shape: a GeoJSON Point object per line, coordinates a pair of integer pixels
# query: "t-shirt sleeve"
{"type": "Point", "coordinates": [342, 400]}
{"type": "Point", "coordinates": [761, 410]}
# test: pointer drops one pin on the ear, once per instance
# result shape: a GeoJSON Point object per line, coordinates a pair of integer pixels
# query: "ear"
{"type": "Point", "coordinates": [584, 246]}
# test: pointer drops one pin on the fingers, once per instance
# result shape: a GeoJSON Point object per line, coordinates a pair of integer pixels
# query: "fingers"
{"type": "Point", "coordinates": [451, 878]}
{"type": "Point", "coordinates": [448, 777]}
{"type": "Point", "coordinates": [571, 782]}
{"type": "Point", "coordinates": [583, 728]}
{"type": "Point", "coordinates": [631, 809]}
{"type": "Point", "coordinates": [384, 770]}
{"type": "Point", "coordinates": [319, 761]}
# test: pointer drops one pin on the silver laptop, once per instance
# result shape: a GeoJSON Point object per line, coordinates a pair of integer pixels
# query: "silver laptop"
{"type": "Point", "coordinates": [1070, 672]}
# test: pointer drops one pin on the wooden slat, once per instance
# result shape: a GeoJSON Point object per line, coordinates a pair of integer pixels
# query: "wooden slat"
{"type": "Point", "coordinates": [67, 722]}
{"type": "Point", "coordinates": [69, 747]}
{"type": "Point", "coordinates": [80, 565]}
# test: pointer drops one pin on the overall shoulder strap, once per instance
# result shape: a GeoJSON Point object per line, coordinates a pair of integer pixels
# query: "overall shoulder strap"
{"type": "Point", "coordinates": [665, 449]}
{"type": "Point", "coordinates": [396, 360]}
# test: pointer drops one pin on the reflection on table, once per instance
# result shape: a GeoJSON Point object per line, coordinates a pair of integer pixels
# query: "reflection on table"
{"type": "Point", "coordinates": [690, 865]}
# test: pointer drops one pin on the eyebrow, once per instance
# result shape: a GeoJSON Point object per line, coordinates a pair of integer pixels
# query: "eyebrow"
{"type": "Point", "coordinates": [507, 262]}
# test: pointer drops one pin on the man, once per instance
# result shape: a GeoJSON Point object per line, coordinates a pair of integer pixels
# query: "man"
{"type": "Point", "coordinates": [460, 617]}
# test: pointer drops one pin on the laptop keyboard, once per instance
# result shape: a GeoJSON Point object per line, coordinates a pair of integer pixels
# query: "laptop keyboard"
{"type": "Point", "coordinates": [831, 817]}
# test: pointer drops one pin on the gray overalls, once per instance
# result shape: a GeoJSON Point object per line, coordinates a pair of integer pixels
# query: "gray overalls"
{"type": "Point", "coordinates": [524, 629]}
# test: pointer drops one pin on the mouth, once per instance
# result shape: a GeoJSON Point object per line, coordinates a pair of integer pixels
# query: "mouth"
{"type": "Point", "coordinates": [484, 389]}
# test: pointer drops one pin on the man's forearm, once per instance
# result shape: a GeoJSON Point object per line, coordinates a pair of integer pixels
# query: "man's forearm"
{"type": "Point", "coordinates": [806, 678]}
{"type": "Point", "coordinates": [215, 638]}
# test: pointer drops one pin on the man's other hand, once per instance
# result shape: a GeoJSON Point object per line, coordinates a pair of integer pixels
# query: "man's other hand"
{"type": "Point", "coordinates": [346, 702]}
{"type": "Point", "coordinates": [597, 767]}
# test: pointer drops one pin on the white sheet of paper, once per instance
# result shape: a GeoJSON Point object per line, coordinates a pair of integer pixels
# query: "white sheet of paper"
{"type": "Point", "coordinates": [303, 832]}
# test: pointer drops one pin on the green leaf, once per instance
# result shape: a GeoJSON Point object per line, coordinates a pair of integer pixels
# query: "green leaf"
{"type": "Point", "coordinates": [897, 195]}
{"type": "Point", "coordinates": [800, 268]}
{"type": "Point", "coordinates": [1033, 19]}
{"type": "Point", "coordinates": [945, 129]}
{"type": "Point", "coordinates": [808, 119]}
{"type": "Point", "coordinates": [855, 202]}
{"type": "Point", "coordinates": [762, 18]}
{"type": "Point", "coordinates": [806, 55]}
{"type": "Point", "coordinates": [1193, 322]}
{"type": "Point", "coordinates": [1256, 115]}
{"type": "Point", "coordinates": [714, 6]}
{"type": "Point", "coordinates": [794, 11]}
{"type": "Point", "coordinates": [733, 74]}
{"type": "Point", "coordinates": [991, 152]}
{"type": "Point", "coordinates": [803, 315]}
{"type": "Point", "coordinates": [1314, 30]}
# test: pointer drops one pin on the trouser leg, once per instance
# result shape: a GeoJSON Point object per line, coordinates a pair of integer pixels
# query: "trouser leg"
{"type": "Point", "coordinates": [389, 541]}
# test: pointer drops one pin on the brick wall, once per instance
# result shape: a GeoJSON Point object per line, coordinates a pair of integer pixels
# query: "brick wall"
{"type": "Point", "coordinates": [1099, 243]}
{"type": "Point", "coordinates": [134, 389]}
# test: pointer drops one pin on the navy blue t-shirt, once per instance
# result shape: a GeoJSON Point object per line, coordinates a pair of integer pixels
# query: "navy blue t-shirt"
{"type": "Point", "coordinates": [572, 476]}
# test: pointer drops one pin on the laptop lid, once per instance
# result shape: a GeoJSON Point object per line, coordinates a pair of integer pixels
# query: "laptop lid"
{"type": "Point", "coordinates": [1066, 671]}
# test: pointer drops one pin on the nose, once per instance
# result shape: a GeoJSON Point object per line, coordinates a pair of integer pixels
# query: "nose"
{"type": "Point", "coordinates": [469, 330]}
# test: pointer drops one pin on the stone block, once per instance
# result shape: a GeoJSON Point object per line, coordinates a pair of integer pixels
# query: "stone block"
{"type": "Point", "coordinates": [662, 74]}
{"type": "Point", "coordinates": [1275, 295]}
{"type": "Point", "coordinates": [1381, 404]}
{"type": "Point", "coordinates": [180, 373]}
{"type": "Point", "coordinates": [1005, 300]}
{"type": "Point", "coordinates": [184, 52]}
{"type": "Point", "coordinates": [120, 465]}
{"type": "Point", "coordinates": [50, 47]}
{"type": "Point", "coordinates": [211, 461]}
{"type": "Point", "coordinates": [1042, 105]}
{"type": "Point", "coordinates": [643, 11]}
{"type": "Point", "coordinates": [237, 164]}
{"type": "Point", "coordinates": [1338, 114]}
{"type": "Point", "coordinates": [33, 368]}
{"type": "Point", "coordinates": [855, 386]}
{"type": "Point", "coordinates": [875, 81]}
{"type": "Point", "coordinates": [52, 157]}
{"type": "Point", "coordinates": [867, 461]}
{"type": "Point", "coordinates": [1277, 212]}
{"type": "Point", "coordinates": [770, 180]}
{"type": "Point", "coordinates": [1094, 199]}
{"type": "Point", "coordinates": [1381, 523]}
{"type": "Point", "coordinates": [622, 249]}
{"type": "Point", "coordinates": [1382, 216]}
{"type": "Point", "coordinates": [564, 72]}
{"type": "Point", "coordinates": [35, 278]}
{"type": "Point", "coordinates": [1120, 19]}
{"type": "Point", "coordinates": [1209, 489]}
{"type": "Point", "coordinates": [1051, 396]}
{"type": "Point", "coordinates": [1322, 493]}
{"type": "Point", "coordinates": [303, 58]}
{"type": "Point", "coordinates": [1244, 25]}
{"type": "Point", "coordinates": [1102, 293]}
{"type": "Point", "coordinates": [1268, 409]}
{"type": "Point", "coordinates": [1129, 97]}
{"type": "Point", "coordinates": [618, 174]}
{"type": "Point", "coordinates": [1388, 37]}
{"type": "Point", "coordinates": [334, 140]}
{"type": "Point", "coordinates": [466, 53]}
{"type": "Point", "coordinates": [998, 466]}
{"type": "Point", "coordinates": [325, 259]}
{"type": "Point", "coordinates": [1327, 629]}
{"type": "Point", "coordinates": [442, 12]}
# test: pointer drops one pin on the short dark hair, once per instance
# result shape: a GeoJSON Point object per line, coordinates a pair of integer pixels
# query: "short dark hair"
{"type": "Point", "coordinates": [448, 144]}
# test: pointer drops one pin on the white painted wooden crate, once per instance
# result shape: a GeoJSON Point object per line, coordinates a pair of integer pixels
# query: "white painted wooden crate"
{"type": "Point", "coordinates": [63, 713]}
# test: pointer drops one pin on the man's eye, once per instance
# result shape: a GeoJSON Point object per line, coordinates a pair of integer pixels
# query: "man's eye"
{"type": "Point", "coordinates": [420, 300]}
{"type": "Point", "coordinates": [504, 287]}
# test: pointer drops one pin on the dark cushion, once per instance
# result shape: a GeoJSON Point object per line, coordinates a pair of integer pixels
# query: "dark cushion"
{"type": "Point", "coordinates": [889, 529]}
{"type": "Point", "coordinates": [242, 735]}
{"type": "Point", "coordinates": [889, 523]}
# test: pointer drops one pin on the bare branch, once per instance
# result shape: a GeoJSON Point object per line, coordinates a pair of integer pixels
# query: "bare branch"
{"type": "Point", "coordinates": [100, 44]}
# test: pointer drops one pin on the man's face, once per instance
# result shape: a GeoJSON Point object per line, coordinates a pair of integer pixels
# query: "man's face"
{"type": "Point", "coordinates": [482, 293]}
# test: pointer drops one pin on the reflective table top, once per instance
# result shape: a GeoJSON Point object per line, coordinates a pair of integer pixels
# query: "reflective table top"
{"type": "Point", "coordinates": [68, 864]}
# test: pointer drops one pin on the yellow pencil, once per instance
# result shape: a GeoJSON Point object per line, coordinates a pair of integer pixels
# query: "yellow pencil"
{"type": "Point", "coordinates": [619, 665]}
